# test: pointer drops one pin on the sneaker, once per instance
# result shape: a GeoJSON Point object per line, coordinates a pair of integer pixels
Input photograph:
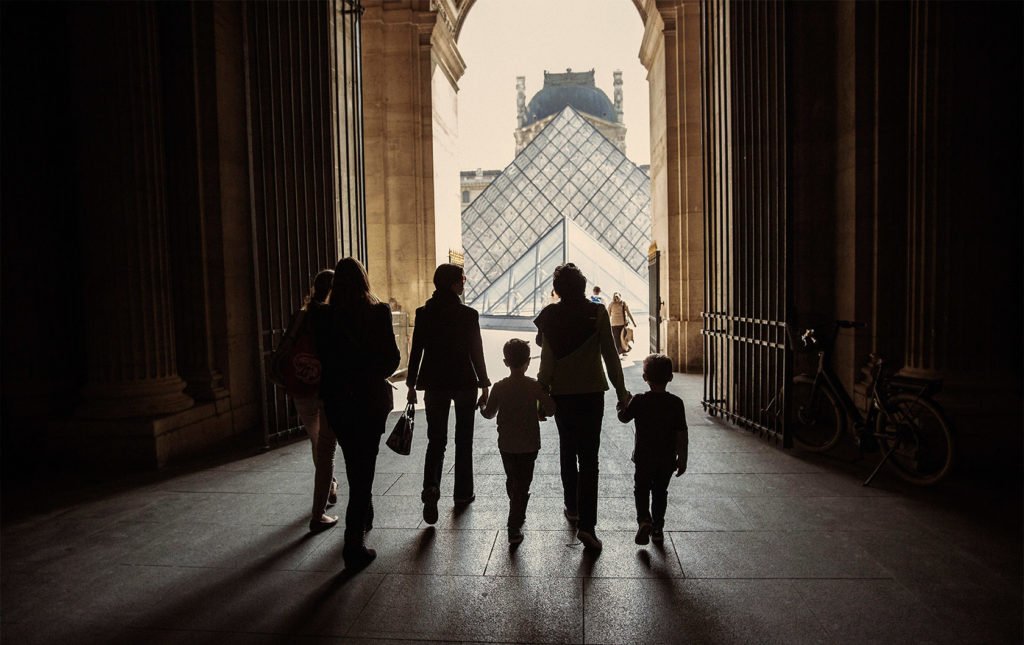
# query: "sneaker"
{"type": "Point", "coordinates": [429, 498]}
{"type": "Point", "coordinates": [464, 501]}
{"type": "Point", "coordinates": [515, 535]}
{"type": "Point", "coordinates": [657, 536]}
{"type": "Point", "coordinates": [643, 534]}
{"type": "Point", "coordinates": [590, 540]}
{"type": "Point", "coordinates": [572, 516]}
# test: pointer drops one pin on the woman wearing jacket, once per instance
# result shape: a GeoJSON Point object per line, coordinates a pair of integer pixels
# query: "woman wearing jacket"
{"type": "Point", "coordinates": [356, 343]}
{"type": "Point", "coordinates": [575, 338]}
{"type": "Point", "coordinates": [447, 363]}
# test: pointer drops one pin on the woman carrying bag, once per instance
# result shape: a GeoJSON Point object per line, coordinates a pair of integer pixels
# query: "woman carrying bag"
{"type": "Point", "coordinates": [356, 343]}
{"type": "Point", "coordinates": [618, 311]}
{"type": "Point", "coordinates": [447, 340]}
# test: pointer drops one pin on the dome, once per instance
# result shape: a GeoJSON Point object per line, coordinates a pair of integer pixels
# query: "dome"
{"type": "Point", "coordinates": [575, 89]}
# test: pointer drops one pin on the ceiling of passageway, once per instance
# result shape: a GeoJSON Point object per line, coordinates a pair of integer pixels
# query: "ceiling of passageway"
{"type": "Point", "coordinates": [464, 6]}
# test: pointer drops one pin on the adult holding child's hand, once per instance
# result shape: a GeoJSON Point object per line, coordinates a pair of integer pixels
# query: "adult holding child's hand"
{"type": "Point", "coordinates": [575, 338]}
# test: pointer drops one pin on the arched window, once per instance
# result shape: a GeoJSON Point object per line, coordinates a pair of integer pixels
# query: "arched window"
{"type": "Point", "coordinates": [465, 197]}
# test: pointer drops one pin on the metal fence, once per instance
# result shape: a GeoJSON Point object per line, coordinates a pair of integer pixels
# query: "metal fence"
{"type": "Point", "coordinates": [746, 231]}
{"type": "Point", "coordinates": [304, 104]}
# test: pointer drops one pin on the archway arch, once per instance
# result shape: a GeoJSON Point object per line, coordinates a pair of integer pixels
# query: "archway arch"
{"type": "Point", "coordinates": [413, 116]}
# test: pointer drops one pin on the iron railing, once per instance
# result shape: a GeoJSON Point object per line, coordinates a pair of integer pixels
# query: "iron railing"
{"type": "Point", "coordinates": [746, 230]}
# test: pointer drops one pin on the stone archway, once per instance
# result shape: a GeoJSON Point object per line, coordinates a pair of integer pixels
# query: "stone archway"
{"type": "Point", "coordinates": [410, 127]}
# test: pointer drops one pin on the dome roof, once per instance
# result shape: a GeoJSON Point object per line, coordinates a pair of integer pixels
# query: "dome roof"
{"type": "Point", "coordinates": [575, 89]}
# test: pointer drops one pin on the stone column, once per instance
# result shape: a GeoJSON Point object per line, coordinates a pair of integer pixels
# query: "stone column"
{"type": "Point", "coordinates": [125, 271]}
{"type": "Point", "coordinates": [928, 217]}
{"type": "Point", "coordinates": [671, 53]}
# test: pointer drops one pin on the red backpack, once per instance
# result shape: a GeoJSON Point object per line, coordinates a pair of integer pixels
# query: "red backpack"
{"type": "Point", "coordinates": [295, 365]}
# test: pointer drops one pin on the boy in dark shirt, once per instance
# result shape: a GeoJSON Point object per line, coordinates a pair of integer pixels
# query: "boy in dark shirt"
{"type": "Point", "coordinates": [660, 446]}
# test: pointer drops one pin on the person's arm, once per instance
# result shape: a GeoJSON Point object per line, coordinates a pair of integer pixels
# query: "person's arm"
{"type": "Point", "coordinates": [476, 355]}
{"type": "Point", "coordinates": [546, 371]}
{"type": "Point", "coordinates": [547, 404]}
{"type": "Point", "coordinates": [682, 443]}
{"type": "Point", "coordinates": [611, 356]}
{"type": "Point", "coordinates": [489, 408]}
{"type": "Point", "coordinates": [415, 355]}
{"type": "Point", "coordinates": [390, 356]}
{"type": "Point", "coordinates": [626, 410]}
{"type": "Point", "coordinates": [629, 313]}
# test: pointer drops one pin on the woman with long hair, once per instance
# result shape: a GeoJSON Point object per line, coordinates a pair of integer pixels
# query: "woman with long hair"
{"type": "Point", "coordinates": [356, 343]}
{"type": "Point", "coordinates": [301, 383]}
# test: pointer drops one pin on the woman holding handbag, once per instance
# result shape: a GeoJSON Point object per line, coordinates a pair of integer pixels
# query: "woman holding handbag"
{"type": "Point", "coordinates": [356, 343]}
{"type": "Point", "coordinates": [618, 312]}
{"type": "Point", "coordinates": [300, 370]}
{"type": "Point", "coordinates": [447, 362]}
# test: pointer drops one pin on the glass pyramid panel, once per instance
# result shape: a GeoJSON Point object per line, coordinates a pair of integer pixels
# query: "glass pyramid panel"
{"type": "Point", "coordinates": [569, 171]}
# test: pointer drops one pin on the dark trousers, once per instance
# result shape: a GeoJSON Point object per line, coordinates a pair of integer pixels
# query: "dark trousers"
{"type": "Point", "coordinates": [578, 417]}
{"type": "Point", "coordinates": [358, 432]}
{"type": "Point", "coordinates": [650, 489]}
{"type": "Point", "coordinates": [437, 404]}
{"type": "Point", "coordinates": [518, 477]}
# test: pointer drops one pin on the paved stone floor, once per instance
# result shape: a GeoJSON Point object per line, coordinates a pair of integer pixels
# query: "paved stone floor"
{"type": "Point", "coordinates": [763, 546]}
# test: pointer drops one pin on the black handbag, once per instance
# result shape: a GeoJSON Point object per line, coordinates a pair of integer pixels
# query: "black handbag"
{"type": "Point", "coordinates": [401, 437]}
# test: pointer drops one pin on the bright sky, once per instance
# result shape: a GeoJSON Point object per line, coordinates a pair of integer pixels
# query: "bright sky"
{"type": "Point", "coordinates": [502, 39]}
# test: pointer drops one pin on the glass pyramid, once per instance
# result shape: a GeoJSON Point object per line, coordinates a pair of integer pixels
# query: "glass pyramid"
{"type": "Point", "coordinates": [525, 287]}
{"type": "Point", "coordinates": [571, 172]}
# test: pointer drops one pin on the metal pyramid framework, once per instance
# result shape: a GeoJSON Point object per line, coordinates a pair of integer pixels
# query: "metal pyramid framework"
{"type": "Point", "coordinates": [569, 171]}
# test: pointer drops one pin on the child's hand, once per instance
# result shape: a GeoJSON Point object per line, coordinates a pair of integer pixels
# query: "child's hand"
{"type": "Point", "coordinates": [621, 405]}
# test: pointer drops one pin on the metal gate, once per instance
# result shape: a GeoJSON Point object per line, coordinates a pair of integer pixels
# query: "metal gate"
{"type": "Point", "coordinates": [304, 105]}
{"type": "Point", "coordinates": [746, 238]}
{"type": "Point", "coordinates": [654, 284]}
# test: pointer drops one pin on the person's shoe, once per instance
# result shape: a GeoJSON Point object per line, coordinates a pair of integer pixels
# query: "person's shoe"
{"type": "Point", "coordinates": [657, 536]}
{"type": "Point", "coordinates": [643, 534]}
{"type": "Point", "coordinates": [319, 525]}
{"type": "Point", "coordinates": [332, 497]}
{"type": "Point", "coordinates": [515, 535]}
{"type": "Point", "coordinates": [572, 516]}
{"type": "Point", "coordinates": [429, 498]}
{"type": "Point", "coordinates": [590, 540]}
{"type": "Point", "coordinates": [464, 501]}
{"type": "Point", "coordinates": [358, 557]}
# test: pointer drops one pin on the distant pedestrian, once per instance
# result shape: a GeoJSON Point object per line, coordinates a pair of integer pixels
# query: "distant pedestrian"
{"type": "Point", "coordinates": [519, 401]}
{"type": "Point", "coordinates": [618, 314]}
{"type": "Point", "coordinates": [302, 374]}
{"type": "Point", "coordinates": [660, 446]}
{"type": "Point", "coordinates": [597, 297]}
{"type": "Point", "coordinates": [447, 362]}
{"type": "Point", "coordinates": [575, 337]}
{"type": "Point", "coordinates": [356, 342]}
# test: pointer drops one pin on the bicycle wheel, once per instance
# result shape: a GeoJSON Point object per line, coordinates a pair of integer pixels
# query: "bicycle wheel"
{"type": "Point", "coordinates": [915, 429]}
{"type": "Point", "coordinates": [817, 420]}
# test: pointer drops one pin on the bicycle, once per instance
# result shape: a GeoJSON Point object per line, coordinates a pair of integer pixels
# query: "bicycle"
{"type": "Point", "coordinates": [902, 419]}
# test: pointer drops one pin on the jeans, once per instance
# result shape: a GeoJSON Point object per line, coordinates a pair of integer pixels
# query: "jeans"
{"type": "Point", "coordinates": [311, 413]}
{"type": "Point", "coordinates": [358, 432]}
{"type": "Point", "coordinates": [617, 337]}
{"type": "Point", "coordinates": [578, 417]}
{"type": "Point", "coordinates": [653, 481]}
{"type": "Point", "coordinates": [518, 477]}
{"type": "Point", "coordinates": [437, 403]}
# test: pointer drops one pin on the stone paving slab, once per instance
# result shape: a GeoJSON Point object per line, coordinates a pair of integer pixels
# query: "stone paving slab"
{"type": "Point", "coordinates": [763, 545]}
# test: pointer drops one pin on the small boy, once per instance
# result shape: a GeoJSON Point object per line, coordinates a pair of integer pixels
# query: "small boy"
{"type": "Point", "coordinates": [660, 446]}
{"type": "Point", "coordinates": [515, 400]}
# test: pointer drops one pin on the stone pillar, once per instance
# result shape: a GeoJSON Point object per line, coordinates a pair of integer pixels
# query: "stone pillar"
{"type": "Point", "coordinates": [671, 53]}
{"type": "Point", "coordinates": [125, 272]}
{"type": "Point", "coordinates": [928, 218]}
{"type": "Point", "coordinates": [398, 127]}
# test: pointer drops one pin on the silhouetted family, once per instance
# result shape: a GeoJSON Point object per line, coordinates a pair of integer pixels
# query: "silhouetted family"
{"type": "Point", "coordinates": [343, 349]}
